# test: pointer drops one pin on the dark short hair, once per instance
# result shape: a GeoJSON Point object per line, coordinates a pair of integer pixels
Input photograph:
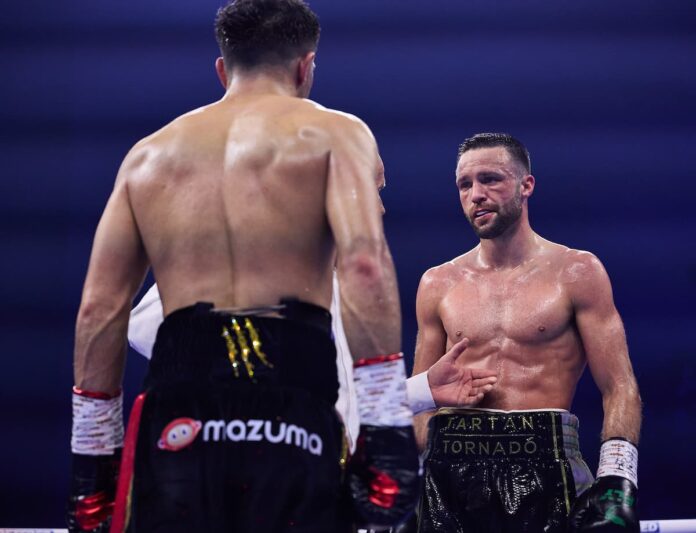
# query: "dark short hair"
{"type": "Point", "coordinates": [515, 148]}
{"type": "Point", "coordinates": [253, 33]}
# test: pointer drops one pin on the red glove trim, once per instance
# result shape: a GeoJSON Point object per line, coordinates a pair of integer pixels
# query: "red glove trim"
{"type": "Point", "coordinates": [383, 489]}
{"type": "Point", "coordinates": [366, 361]}
{"type": "Point", "coordinates": [96, 395]}
{"type": "Point", "coordinates": [91, 511]}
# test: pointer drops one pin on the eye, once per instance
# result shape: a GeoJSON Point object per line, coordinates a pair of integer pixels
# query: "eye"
{"type": "Point", "coordinates": [490, 179]}
{"type": "Point", "coordinates": [464, 185]}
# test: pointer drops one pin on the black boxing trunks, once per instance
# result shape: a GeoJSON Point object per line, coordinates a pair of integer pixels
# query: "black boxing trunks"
{"type": "Point", "coordinates": [236, 430]}
{"type": "Point", "coordinates": [501, 471]}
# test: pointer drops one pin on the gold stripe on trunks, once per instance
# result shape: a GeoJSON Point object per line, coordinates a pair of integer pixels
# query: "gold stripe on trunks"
{"type": "Point", "coordinates": [256, 343]}
{"type": "Point", "coordinates": [345, 450]}
{"type": "Point", "coordinates": [241, 339]}
{"type": "Point", "coordinates": [561, 463]}
{"type": "Point", "coordinates": [231, 350]}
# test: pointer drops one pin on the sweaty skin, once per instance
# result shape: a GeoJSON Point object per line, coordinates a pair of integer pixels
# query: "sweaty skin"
{"type": "Point", "coordinates": [241, 203]}
{"type": "Point", "coordinates": [535, 311]}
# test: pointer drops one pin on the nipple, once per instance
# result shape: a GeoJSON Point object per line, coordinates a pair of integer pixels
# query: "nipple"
{"type": "Point", "coordinates": [542, 328]}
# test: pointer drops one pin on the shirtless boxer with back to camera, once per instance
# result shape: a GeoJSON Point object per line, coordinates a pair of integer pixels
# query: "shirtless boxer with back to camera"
{"type": "Point", "coordinates": [242, 208]}
{"type": "Point", "coordinates": [537, 312]}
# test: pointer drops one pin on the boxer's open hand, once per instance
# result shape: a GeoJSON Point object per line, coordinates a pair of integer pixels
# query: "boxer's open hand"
{"type": "Point", "coordinates": [453, 385]}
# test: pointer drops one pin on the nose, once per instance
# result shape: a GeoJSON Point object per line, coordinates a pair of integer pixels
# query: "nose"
{"type": "Point", "coordinates": [478, 192]}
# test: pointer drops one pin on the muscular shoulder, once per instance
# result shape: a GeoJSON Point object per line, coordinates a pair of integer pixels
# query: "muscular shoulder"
{"type": "Point", "coordinates": [148, 158]}
{"type": "Point", "coordinates": [339, 123]}
{"type": "Point", "coordinates": [578, 265]}
{"type": "Point", "coordinates": [584, 276]}
{"type": "Point", "coordinates": [167, 152]}
{"type": "Point", "coordinates": [436, 281]}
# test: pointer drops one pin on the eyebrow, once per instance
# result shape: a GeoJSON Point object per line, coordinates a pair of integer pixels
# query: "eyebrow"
{"type": "Point", "coordinates": [482, 174]}
{"type": "Point", "coordinates": [490, 174]}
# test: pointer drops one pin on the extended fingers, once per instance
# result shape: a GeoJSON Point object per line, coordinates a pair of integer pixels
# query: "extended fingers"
{"type": "Point", "coordinates": [478, 373]}
{"type": "Point", "coordinates": [476, 394]}
{"type": "Point", "coordinates": [481, 382]}
{"type": "Point", "coordinates": [457, 349]}
{"type": "Point", "coordinates": [483, 389]}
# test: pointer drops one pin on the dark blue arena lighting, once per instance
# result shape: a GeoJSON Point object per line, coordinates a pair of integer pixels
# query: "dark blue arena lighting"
{"type": "Point", "coordinates": [600, 92]}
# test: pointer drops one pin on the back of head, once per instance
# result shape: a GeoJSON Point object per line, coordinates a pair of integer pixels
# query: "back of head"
{"type": "Point", "coordinates": [258, 33]}
{"type": "Point", "coordinates": [515, 148]}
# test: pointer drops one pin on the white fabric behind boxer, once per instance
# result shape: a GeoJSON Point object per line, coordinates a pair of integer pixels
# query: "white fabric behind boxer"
{"type": "Point", "coordinates": [145, 320]}
{"type": "Point", "coordinates": [347, 404]}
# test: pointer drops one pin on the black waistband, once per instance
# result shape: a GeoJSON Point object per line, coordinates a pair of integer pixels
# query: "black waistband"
{"type": "Point", "coordinates": [245, 347]}
{"type": "Point", "coordinates": [287, 308]}
{"type": "Point", "coordinates": [477, 435]}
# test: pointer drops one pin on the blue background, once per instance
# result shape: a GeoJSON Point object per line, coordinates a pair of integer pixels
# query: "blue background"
{"type": "Point", "coordinates": [601, 92]}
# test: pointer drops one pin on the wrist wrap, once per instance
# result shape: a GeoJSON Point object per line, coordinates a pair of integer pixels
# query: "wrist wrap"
{"type": "Point", "coordinates": [97, 422]}
{"type": "Point", "coordinates": [380, 385]}
{"type": "Point", "coordinates": [618, 457]}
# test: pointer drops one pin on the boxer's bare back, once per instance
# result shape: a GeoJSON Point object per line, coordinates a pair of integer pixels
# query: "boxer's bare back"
{"type": "Point", "coordinates": [240, 203]}
{"type": "Point", "coordinates": [256, 166]}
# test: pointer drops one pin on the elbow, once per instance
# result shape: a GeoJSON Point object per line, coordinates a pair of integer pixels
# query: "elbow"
{"type": "Point", "coordinates": [97, 311]}
{"type": "Point", "coordinates": [368, 267]}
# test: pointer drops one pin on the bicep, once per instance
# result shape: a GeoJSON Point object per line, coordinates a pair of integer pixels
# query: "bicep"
{"type": "Point", "coordinates": [352, 200]}
{"type": "Point", "coordinates": [118, 262]}
{"type": "Point", "coordinates": [601, 329]}
{"type": "Point", "coordinates": [432, 338]}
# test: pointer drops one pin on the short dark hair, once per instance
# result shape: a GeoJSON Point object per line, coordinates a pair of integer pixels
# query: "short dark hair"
{"type": "Point", "coordinates": [515, 148]}
{"type": "Point", "coordinates": [252, 33]}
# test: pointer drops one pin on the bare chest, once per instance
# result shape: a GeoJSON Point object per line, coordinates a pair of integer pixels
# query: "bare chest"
{"type": "Point", "coordinates": [527, 309]}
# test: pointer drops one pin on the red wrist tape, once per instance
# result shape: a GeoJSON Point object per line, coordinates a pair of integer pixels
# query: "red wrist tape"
{"type": "Point", "coordinates": [366, 361]}
{"type": "Point", "coordinates": [96, 395]}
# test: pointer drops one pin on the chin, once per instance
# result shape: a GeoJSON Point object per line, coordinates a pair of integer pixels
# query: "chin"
{"type": "Point", "coordinates": [490, 232]}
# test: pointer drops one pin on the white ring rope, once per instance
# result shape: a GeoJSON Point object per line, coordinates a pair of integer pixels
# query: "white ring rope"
{"type": "Point", "coordinates": [653, 526]}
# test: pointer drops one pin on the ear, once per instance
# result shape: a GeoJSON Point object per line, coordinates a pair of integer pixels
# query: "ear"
{"type": "Point", "coordinates": [527, 185]}
{"type": "Point", "coordinates": [305, 72]}
{"type": "Point", "coordinates": [221, 72]}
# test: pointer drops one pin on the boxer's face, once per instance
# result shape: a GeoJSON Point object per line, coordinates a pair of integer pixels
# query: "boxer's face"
{"type": "Point", "coordinates": [493, 189]}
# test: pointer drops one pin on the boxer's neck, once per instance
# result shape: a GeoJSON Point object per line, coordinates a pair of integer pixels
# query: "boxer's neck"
{"type": "Point", "coordinates": [512, 248]}
{"type": "Point", "coordinates": [260, 83]}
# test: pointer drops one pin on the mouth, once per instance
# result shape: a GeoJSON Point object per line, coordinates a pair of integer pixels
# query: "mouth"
{"type": "Point", "coordinates": [480, 213]}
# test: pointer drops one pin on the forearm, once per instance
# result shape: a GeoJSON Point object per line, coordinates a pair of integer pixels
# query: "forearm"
{"type": "Point", "coordinates": [622, 412]}
{"type": "Point", "coordinates": [100, 347]}
{"type": "Point", "coordinates": [370, 303]}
